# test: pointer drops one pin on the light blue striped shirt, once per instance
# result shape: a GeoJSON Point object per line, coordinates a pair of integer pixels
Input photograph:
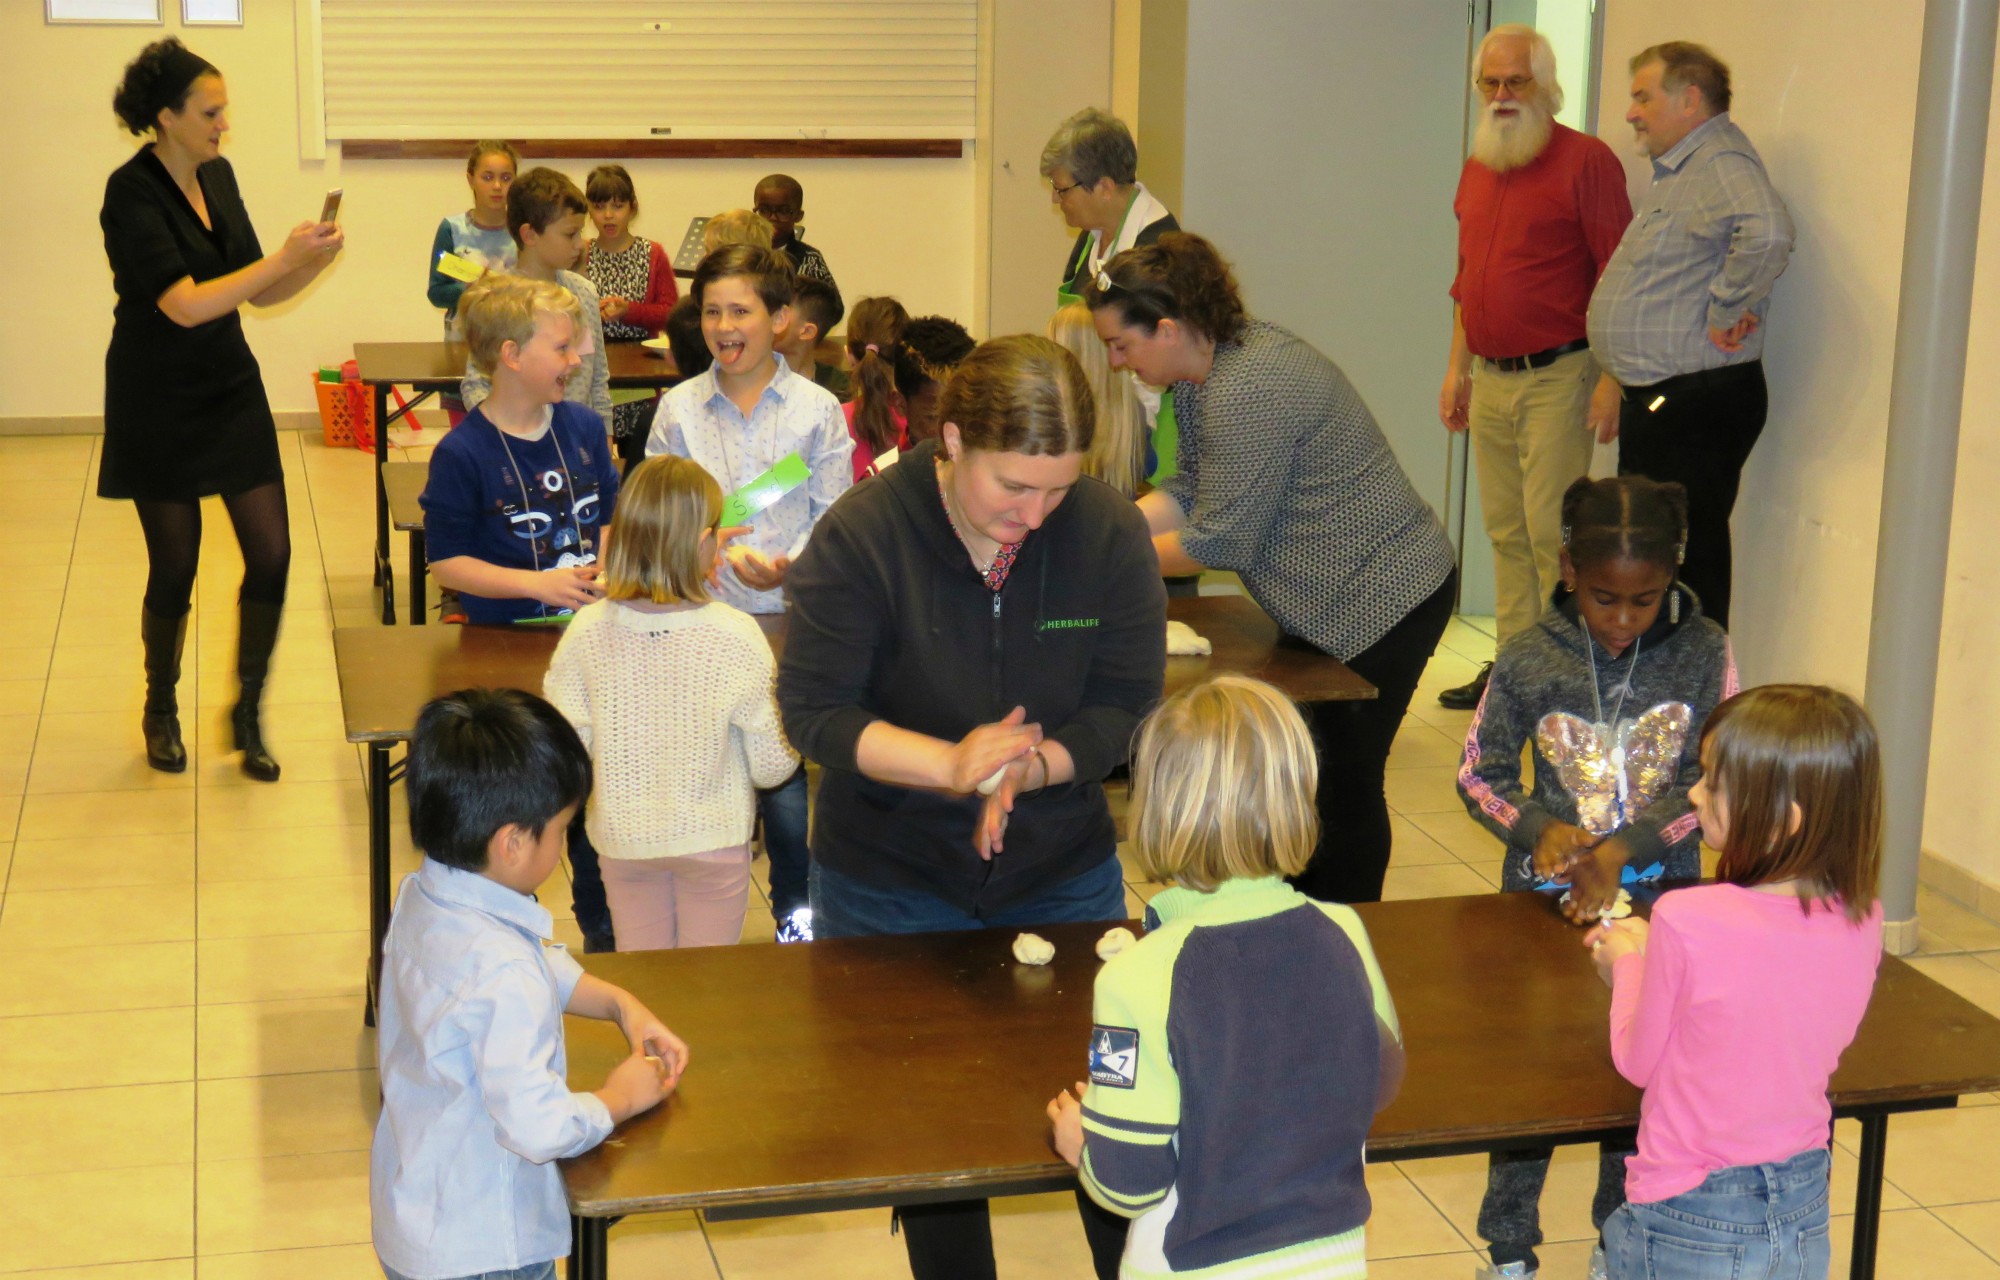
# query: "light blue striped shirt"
{"type": "Point", "coordinates": [1705, 246]}
{"type": "Point", "coordinates": [794, 415]}
{"type": "Point", "coordinates": [476, 1106]}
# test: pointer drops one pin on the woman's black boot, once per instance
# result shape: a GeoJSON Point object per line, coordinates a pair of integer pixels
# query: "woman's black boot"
{"type": "Point", "coordinates": [256, 636]}
{"type": "Point", "coordinates": [164, 639]}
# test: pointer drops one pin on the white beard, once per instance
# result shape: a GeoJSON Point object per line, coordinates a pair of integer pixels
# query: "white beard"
{"type": "Point", "coordinates": [1510, 141]}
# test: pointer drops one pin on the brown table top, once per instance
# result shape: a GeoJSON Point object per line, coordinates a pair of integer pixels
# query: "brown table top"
{"type": "Point", "coordinates": [438, 366]}
{"type": "Point", "coordinates": [865, 1071]}
{"type": "Point", "coordinates": [404, 483]}
{"type": "Point", "coordinates": [388, 673]}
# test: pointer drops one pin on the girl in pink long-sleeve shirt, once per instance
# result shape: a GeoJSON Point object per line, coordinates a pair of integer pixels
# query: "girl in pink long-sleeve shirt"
{"type": "Point", "coordinates": [1732, 1009]}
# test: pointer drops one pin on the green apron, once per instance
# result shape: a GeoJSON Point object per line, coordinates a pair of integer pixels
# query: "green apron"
{"type": "Point", "coordinates": [1072, 290]}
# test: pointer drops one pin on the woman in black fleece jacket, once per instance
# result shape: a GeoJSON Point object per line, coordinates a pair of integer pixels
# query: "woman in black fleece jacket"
{"type": "Point", "coordinates": [978, 605]}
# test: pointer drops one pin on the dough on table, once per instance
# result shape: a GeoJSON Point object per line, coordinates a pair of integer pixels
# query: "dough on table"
{"type": "Point", "coordinates": [1032, 948]}
{"type": "Point", "coordinates": [1184, 641]}
{"type": "Point", "coordinates": [1115, 939]}
{"type": "Point", "coordinates": [1618, 910]}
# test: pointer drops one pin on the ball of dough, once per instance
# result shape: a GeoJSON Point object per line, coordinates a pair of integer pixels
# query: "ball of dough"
{"type": "Point", "coordinates": [1114, 941]}
{"type": "Point", "coordinates": [1032, 948]}
{"type": "Point", "coordinates": [992, 783]}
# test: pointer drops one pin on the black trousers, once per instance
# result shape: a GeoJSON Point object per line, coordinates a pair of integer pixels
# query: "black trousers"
{"type": "Point", "coordinates": [953, 1240]}
{"type": "Point", "coordinates": [1353, 741]}
{"type": "Point", "coordinates": [1698, 437]}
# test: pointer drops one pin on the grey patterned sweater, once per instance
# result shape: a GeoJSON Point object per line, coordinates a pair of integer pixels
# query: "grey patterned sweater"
{"type": "Point", "coordinates": [1286, 479]}
{"type": "Point", "coordinates": [1545, 670]}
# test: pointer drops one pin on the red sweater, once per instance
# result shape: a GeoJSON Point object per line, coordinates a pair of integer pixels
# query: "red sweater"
{"type": "Point", "coordinates": [1532, 242]}
{"type": "Point", "coordinates": [649, 312]}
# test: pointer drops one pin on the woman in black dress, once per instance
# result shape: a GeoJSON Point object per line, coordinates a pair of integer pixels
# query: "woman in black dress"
{"type": "Point", "coordinates": [185, 414]}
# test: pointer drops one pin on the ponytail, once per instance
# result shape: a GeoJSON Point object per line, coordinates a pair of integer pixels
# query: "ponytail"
{"type": "Point", "coordinates": [874, 341]}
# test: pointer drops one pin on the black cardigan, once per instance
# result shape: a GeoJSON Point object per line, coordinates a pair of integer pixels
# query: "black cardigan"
{"type": "Point", "coordinates": [890, 621]}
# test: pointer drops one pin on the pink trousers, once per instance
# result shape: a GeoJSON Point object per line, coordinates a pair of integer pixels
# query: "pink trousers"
{"type": "Point", "coordinates": [692, 901]}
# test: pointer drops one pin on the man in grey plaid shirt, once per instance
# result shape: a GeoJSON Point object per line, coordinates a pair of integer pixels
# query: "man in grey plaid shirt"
{"type": "Point", "coordinates": [1678, 314]}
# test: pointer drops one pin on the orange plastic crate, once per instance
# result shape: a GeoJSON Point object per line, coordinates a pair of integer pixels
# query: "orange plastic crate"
{"type": "Point", "coordinates": [346, 414]}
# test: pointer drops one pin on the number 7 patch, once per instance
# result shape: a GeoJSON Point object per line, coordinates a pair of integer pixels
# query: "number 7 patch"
{"type": "Point", "coordinates": [1114, 1056]}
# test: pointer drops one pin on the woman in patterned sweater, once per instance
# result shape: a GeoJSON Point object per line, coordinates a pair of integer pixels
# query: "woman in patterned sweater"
{"type": "Point", "coordinates": [1285, 479]}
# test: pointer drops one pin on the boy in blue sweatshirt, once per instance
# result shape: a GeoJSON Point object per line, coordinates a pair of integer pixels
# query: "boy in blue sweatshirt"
{"type": "Point", "coordinates": [521, 492]}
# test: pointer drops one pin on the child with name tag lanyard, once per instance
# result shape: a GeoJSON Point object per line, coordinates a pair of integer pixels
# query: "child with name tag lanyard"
{"type": "Point", "coordinates": [1610, 689]}
{"type": "Point", "coordinates": [1243, 1047]}
{"type": "Point", "coordinates": [778, 446]}
{"type": "Point", "coordinates": [521, 491]}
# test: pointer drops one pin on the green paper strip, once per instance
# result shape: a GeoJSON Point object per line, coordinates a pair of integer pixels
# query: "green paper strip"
{"type": "Point", "coordinates": [786, 475]}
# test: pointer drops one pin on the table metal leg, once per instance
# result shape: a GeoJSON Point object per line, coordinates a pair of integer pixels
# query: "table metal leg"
{"type": "Point", "coordinates": [590, 1248]}
{"type": "Point", "coordinates": [419, 610]}
{"type": "Point", "coordinates": [1868, 1196]}
{"type": "Point", "coordinates": [378, 868]}
{"type": "Point", "coordinates": [385, 576]}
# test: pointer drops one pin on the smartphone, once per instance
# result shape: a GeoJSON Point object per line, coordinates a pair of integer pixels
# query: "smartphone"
{"type": "Point", "coordinates": [330, 211]}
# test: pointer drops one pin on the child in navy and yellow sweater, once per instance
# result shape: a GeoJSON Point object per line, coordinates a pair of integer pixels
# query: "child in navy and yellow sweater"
{"type": "Point", "coordinates": [1243, 1047]}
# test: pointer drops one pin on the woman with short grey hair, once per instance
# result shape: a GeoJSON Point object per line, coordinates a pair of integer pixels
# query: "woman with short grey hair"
{"type": "Point", "coordinates": [1093, 170]}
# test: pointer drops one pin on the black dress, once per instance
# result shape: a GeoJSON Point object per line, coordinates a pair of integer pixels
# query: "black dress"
{"type": "Point", "coordinates": [185, 413]}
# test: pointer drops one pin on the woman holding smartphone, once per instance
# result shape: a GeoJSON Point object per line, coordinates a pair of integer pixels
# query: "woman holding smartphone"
{"type": "Point", "coordinates": [185, 415]}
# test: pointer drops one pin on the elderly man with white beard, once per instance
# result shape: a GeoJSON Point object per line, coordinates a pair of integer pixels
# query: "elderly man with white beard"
{"type": "Point", "coordinates": [1540, 210]}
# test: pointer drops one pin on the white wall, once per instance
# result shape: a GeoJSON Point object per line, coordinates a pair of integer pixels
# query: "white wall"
{"type": "Point", "coordinates": [904, 227]}
{"type": "Point", "coordinates": [1323, 148]}
{"type": "Point", "coordinates": [1051, 59]}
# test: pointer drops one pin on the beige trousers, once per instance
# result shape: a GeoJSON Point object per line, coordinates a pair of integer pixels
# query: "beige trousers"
{"type": "Point", "coordinates": [1530, 438]}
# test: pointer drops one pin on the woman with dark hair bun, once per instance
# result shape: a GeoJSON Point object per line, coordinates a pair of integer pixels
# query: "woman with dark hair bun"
{"type": "Point", "coordinates": [1286, 479]}
{"type": "Point", "coordinates": [185, 415]}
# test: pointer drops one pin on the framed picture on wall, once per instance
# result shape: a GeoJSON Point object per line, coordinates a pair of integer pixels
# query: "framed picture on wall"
{"type": "Point", "coordinates": [146, 11]}
{"type": "Point", "coordinates": [214, 13]}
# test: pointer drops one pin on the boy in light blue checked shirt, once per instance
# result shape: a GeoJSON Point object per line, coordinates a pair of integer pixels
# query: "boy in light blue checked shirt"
{"type": "Point", "coordinates": [476, 1107]}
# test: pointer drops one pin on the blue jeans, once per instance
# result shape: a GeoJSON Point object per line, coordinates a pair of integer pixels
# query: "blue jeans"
{"type": "Point", "coordinates": [1766, 1220]}
{"type": "Point", "coordinates": [533, 1271]}
{"type": "Point", "coordinates": [783, 809]}
{"type": "Point", "coordinates": [844, 907]}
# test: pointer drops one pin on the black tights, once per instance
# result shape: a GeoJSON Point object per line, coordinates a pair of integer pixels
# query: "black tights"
{"type": "Point", "coordinates": [173, 547]}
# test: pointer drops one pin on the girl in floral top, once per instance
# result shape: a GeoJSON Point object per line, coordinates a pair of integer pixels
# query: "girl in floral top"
{"type": "Point", "coordinates": [635, 287]}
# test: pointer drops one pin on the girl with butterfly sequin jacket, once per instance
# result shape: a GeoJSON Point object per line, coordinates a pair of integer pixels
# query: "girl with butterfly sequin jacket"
{"type": "Point", "coordinates": [1608, 692]}
{"type": "Point", "coordinates": [1609, 689]}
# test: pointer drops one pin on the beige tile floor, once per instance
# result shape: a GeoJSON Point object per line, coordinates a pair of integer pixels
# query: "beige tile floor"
{"type": "Point", "coordinates": [185, 1085]}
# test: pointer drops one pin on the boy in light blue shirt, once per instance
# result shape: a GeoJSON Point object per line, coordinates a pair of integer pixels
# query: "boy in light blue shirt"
{"type": "Point", "coordinates": [738, 420]}
{"type": "Point", "coordinates": [748, 412]}
{"type": "Point", "coordinates": [475, 1101]}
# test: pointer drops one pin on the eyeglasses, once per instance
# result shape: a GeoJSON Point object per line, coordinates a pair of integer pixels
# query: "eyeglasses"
{"type": "Point", "coordinates": [1490, 85]}
{"type": "Point", "coordinates": [1057, 193]}
{"type": "Point", "coordinates": [775, 211]}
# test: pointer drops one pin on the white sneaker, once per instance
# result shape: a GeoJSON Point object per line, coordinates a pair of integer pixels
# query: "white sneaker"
{"type": "Point", "coordinates": [1597, 1268]}
{"type": "Point", "coordinates": [1505, 1271]}
{"type": "Point", "coordinates": [797, 927]}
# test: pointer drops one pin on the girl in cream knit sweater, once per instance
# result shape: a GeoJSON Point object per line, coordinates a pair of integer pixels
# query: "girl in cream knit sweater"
{"type": "Point", "coordinates": [672, 693]}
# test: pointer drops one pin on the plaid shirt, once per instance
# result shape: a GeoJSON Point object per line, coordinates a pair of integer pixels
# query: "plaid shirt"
{"type": "Point", "coordinates": [1707, 243]}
